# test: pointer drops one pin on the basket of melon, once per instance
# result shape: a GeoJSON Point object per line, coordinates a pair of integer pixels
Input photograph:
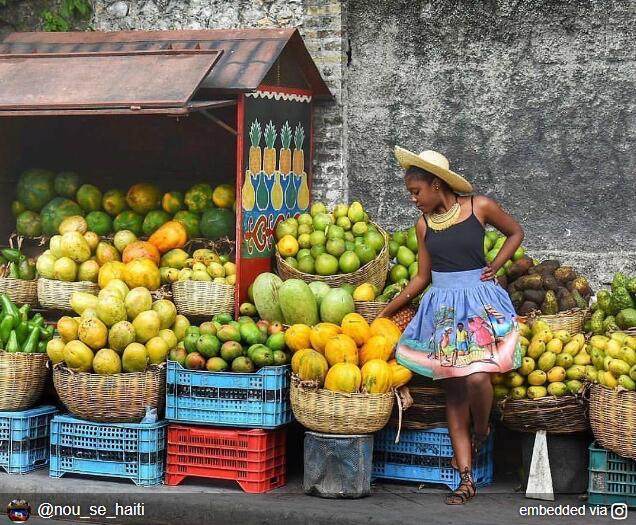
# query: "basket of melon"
{"type": "Point", "coordinates": [344, 379]}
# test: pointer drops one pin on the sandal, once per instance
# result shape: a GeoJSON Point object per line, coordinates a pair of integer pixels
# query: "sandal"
{"type": "Point", "coordinates": [465, 492]}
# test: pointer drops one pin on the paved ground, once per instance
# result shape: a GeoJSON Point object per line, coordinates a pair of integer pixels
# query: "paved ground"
{"type": "Point", "coordinates": [201, 502]}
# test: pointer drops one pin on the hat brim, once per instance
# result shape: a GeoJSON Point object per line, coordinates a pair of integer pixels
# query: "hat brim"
{"type": "Point", "coordinates": [407, 158]}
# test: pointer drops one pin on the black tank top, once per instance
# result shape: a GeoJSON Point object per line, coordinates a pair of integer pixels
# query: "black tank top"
{"type": "Point", "coordinates": [458, 248]}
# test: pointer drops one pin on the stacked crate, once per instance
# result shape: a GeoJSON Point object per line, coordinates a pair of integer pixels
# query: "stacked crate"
{"type": "Point", "coordinates": [612, 478]}
{"type": "Point", "coordinates": [24, 439]}
{"type": "Point", "coordinates": [201, 405]}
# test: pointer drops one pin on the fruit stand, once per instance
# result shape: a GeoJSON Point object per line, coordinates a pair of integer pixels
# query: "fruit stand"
{"type": "Point", "coordinates": [172, 108]}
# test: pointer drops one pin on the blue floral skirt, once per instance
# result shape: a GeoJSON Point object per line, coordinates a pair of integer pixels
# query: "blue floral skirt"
{"type": "Point", "coordinates": [463, 325]}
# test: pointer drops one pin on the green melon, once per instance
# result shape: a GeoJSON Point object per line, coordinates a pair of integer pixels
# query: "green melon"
{"type": "Point", "coordinates": [114, 202]}
{"type": "Point", "coordinates": [217, 222]}
{"type": "Point", "coordinates": [35, 188]}
{"type": "Point", "coordinates": [153, 220]}
{"type": "Point", "coordinates": [199, 197]}
{"type": "Point", "coordinates": [99, 222]}
{"type": "Point", "coordinates": [56, 211]}
{"type": "Point", "coordinates": [143, 197]}
{"type": "Point", "coordinates": [89, 197]}
{"type": "Point", "coordinates": [29, 224]}
{"type": "Point", "coordinates": [129, 220]}
{"type": "Point", "coordinates": [190, 222]}
{"type": "Point", "coordinates": [66, 184]}
{"type": "Point", "coordinates": [17, 208]}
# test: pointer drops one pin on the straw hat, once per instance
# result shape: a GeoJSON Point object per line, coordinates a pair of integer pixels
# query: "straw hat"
{"type": "Point", "coordinates": [435, 163]}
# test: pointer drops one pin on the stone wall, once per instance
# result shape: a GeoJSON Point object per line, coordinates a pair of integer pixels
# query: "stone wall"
{"type": "Point", "coordinates": [533, 101]}
{"type": "Point", "coordinates": [320, 23]}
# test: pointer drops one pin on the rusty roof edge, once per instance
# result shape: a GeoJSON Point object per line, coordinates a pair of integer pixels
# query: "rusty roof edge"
{"type": "Point", "coordinates": [321, 90]}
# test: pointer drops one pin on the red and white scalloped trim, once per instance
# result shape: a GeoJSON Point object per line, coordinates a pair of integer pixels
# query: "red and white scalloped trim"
{"type": "Point", "coordinates": [279, 96]}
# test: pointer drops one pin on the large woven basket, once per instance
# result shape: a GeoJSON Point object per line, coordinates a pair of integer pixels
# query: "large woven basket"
{"type": "Point", "coordinates": [57, 294]}
{"type": "Point", "coordinates": [374, 272]}
{"type": "Point", "coordinates": [556, 415]}
{"type": "Point", "coordinates": [613, 419]}
{"type": "Point", "coordinates": [369, 309]}
{"type": "Point", "coordinates": [336, 413]}
{"type": "Point", "coordinates": [203, 298]}
{"type": "Point", "coordinates": [570, 320]}
{"type": "Point", "coordinates": [19, 291]}
{"type": "Point", "coordinates": [22, 379]}
{"type": "Point", "coordinates": [117, 398]}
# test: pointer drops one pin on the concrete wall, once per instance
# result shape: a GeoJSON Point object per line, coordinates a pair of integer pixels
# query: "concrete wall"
{"type": "Point", "coordinates": [533, 101]}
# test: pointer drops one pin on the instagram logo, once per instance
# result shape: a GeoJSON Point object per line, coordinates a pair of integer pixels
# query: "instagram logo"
{"type": "Point", "coordinates": [618, 511]}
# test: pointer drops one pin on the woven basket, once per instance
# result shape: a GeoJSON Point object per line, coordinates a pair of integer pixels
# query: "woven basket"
{"type": "Point", "coordinates": [22, 379]}
{"type": "Point", "coordinates": [57, 294]}
{"type": "Point", "coordinates": [374, 272]}
{"type": "Point", "coordinates": [203, 298]}
{"type": "Point", "coordinates": [556, 415]}
{"type": "Point", "coordinates": [369, 309]}
{"type": "Point", "coordinates": [570, 320]}
{"type": "Point", "coordinates": [428, 409]}
{"type": "Point", "coordinates": [117, 398]}
{"type": "Point", "coordinates": [19, 291]}
{"type": "Point", "coordinates": [329, 412]}
{"type": "Point", "coordinates": [613, 419]}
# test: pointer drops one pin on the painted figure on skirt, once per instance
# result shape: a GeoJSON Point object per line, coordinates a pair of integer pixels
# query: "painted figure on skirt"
{"type": "Point", "coordinates": [465, 327]}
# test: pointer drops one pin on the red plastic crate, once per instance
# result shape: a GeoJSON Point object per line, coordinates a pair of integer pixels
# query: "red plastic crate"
{"type": "Point", "coordinates": [253, 458]}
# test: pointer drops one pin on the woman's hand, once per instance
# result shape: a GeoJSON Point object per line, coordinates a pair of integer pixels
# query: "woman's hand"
{"type": "Point", "coordinates": [488, 273]}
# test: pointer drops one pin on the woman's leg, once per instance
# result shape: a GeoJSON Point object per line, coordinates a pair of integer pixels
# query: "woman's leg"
{"type": "Point", "coordinates": [458, 419]}
{"type": "Point", "coordinates": [480, 396]}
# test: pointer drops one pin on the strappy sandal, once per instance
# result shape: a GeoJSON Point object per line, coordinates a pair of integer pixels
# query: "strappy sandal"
{"type": "Point", "coordinates": [465, 492]}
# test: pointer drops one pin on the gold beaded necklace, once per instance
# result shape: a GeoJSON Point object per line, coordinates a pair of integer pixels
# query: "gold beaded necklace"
{"type": "Point", "coordinates": [443, 221]}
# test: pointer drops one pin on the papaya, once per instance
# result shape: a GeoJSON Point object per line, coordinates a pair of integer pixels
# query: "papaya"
{"type": "Point", "coordinates": [190, 221]}
{"type": "Point", "coordinates": [99, 222]}
{"type": "Point", "coordinates": [55, 211]}
{"type": "Point", "coordinates": [169, 236]}
{"type": "Point", "coordinates": [341, 349]}
{"type": "Point", "coordinates": [129, 220]}
{"type": "Point", "coordinates": [66, 184]}
{"type": "Point", "coordinates": [143, 197]}
{"type": "Point", "coordinates": [312, 367]}
{"type": "Point", "coordinates": [29, 224]}
{"type": "Point", "coordinates": [199, 197]}
{"type": "Point", "coordinates": [321, 333]}
{"type": "Point", "coordinates": [153, 220]}
{"type": "Point", "coordinates": [89, 197]}
{"type": "Point", "coordinates": [400, 375]}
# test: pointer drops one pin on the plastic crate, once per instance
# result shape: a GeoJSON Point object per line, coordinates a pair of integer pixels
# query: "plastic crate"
{"type": "Point", "coordinates": [24, 439]}
{"type": "Point", "coordinates": [425, 456]}
{"type": "Point", "coordinates": [253, 458]}
{"type": "Point", "coordinates": [125, 450]}
{"type": "Point", "coordinates": [612, 478]}
{"type": "Point", "coordinates": [257, 400]}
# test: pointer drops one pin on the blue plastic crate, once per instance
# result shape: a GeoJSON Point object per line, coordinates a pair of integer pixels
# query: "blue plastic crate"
{"type": "Point", "coordinates": [612, 478]}
{"type": "Point", "coordinates": [125, 450]}
{"type": "Point", "coordinates": [24, 439]}
{"type": "Point", "coordinates": [256, 400]}
{"type": "Point", "coordinates": [424, 456]}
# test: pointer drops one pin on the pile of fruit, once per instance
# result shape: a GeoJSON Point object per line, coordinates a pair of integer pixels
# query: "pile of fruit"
{"type": "Point", "coordinates": [45, 199]}
{"type": "Point", "coordinates": [21, 333]}
{"type": "Point", "coordinates": [327, 243]}
{"type": "Point", "coordinates": [203, 265]}
{"type": "Point", "coordinates": [615, 309]}
{"type": "Point", "coordinates": [296, 302]}
{"type": "Point", "coordinates": [14, 264]}
{"type": "Point", "coordinates": [554, 364]}
{"type": "Point", "coordinates": [614, 360]}
{"type": "Point", "coordinates": [350, 357]}
{"type": "Point", "coordinates": [119, 330]}
{"type": "Point", "coordinates": [242, 346]}
{"type": "Point", "coordinates": [547, 287]}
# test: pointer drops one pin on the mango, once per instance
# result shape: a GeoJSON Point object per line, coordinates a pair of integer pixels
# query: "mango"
{"type": "Point", "coordinates": [524, 330]}
{"type": "Point", "coordinates": [574, 386]}
{"type": "Point", "coordinates": [527, 366]}
{"type": "Point", "coordinates": [591, 374]}
{"type": "Point", "coordinates": [147, 325]}
{"type": "Point", "coordinates": [556, 374]}
{"type": "Point", "coordinates": [613, 348]}
{"type": "Point", "coordinates": [514, 379]}
{"type": "Point", "coordinates": [167, 312]}
{"type": "Point", "coordinates": [543, 335]}
{"type": "Point", "coordinates": [535, 349]}
{"type": "Point", "coordinates": [606, 362]}
{"type": "Point", "coordinates": [632, 372]}
{"type": "Point", "coordinates": [536, 392]}
{"type": "Point", "coordinates": [107, 362]}
{"type": "Point", "coordinates": [518, 392]}
{"type": "Point", "coordinates": [575, 372]}
{"type": "Point", "coordinates": [618, 367]}
{"type": "Point", "coordinates": [628, 355]}
{"type": "Point", "coordinates": [579, 339]}
{"type": "Point", "coordinates": [599, 341]}
{"type": "Point", "coordinates": [618, 336]}
{"type": "Point", "coordinates": [626, 382]}
{"type": "Point", "coordinates": [500, 391]}
{"type": "Point", "coordinates": [537, 378]}
{"type": "Point", "coordinates": [609, 380]}
{"type": "Point", "coordinates": [546, 361]}
{"type": "Point", "coordinates": [571, 348]}
{"type": "Point", "coordinates": [582, 358]}
{"type": "Point", "coordinates": [523, 341]}
{"type": "Point", "coordinates": [555, 346]}
{"type": "Point", "coordinates": [563, 336]}
{"type": "Point", "coordinates": [134, 358]}
{"type": "Point", "coordinates": [539, 326]}
{"type": "Point", "coordinates": [497, 378]}
{"type": "Point", "coordinates": [78, 356]}
{"type": "Point", "coordinates": [630, 341]}
{"type": "Point", "coordinates": [92, 332]}
{"type": "Point", "coordinates": [181, 324]}
{"type": "Point", "coordinates": [557, 389]}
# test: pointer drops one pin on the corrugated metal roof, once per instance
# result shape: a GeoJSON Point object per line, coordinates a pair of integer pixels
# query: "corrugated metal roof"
{"type": "Point", "coordinates": [248, 54]}
{"type": "Point", "coordinates": [102, 80]}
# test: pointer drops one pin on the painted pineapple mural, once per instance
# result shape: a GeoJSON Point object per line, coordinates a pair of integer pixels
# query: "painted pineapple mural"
{"type": "Point", "coordinates": [276, 185]}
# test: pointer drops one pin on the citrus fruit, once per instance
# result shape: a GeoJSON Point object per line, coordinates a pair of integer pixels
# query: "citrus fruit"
{"type": "Point", "coordinates": [326, 264]}
{"type": "Point", "coordinates": [287, 246]}
{"type": "Point", "coordinates": [349, 262]}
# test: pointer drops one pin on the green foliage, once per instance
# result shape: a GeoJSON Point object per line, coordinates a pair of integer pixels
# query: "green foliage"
{"type": "Point", "coordinates": [69, 12]}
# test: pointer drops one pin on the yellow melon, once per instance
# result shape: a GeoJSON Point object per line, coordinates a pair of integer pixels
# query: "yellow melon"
{"type": "Point", "coordinates": [356, 327]}
{"type": "Point", "coordinates": [376, 377]}
{"type": "Point", "coordinates": [377, 347]}
{"type": "Point", "coordinates": [321, 333]}
{"type": "Point", "coordinates": [400, 375]}
{"type": "Point", "coordinates": [343, 377]}
{"type": "Point", "coordinates": [297, 337]}
{"type": "Point", "coordinates": [341, 349]}
{"type": "Point", "coordinates": [386, 328]}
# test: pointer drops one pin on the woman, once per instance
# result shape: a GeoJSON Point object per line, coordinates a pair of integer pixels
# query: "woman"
{"type": "Point", "coordinates": [465, 311]}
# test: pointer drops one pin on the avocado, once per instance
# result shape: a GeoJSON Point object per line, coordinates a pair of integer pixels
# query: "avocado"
{"type": "Point", "coordinates": [536, 296]}
{"type": "Point", "coordinates": [565, 300]}
{"type": "Point", "coordinates": [626, 318]}
{"type": "Point", "coordinates": [549, 305]}
{"type": "Point", "coordinates": [526, 282]}
{"type": "Point", "coordinates": [578, 299]}
{"type": "Point", "coordinates": [564, 274]}
{"type": "Point", "coordinates": [528, 307]}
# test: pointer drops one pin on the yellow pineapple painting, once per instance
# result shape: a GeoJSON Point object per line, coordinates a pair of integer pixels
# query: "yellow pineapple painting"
{"type": "Point", "coordinates": [285, 160]}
